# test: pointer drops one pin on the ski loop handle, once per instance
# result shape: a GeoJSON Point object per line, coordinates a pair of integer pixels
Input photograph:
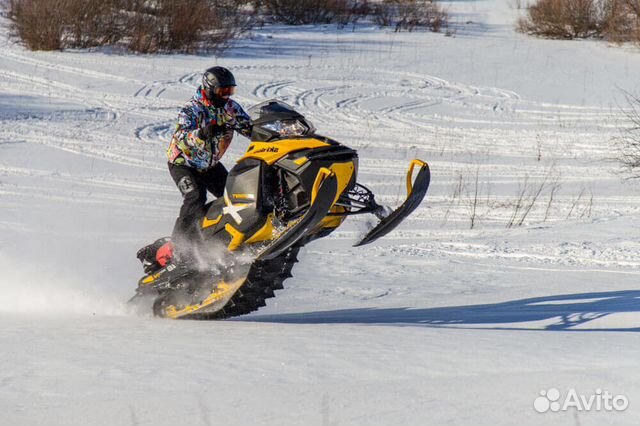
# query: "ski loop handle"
{"type": "Point", "coordinates": [414, 163]}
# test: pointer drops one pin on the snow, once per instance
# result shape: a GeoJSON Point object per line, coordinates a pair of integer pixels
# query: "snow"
{"type": "Point", "coordinates": [436, 324]}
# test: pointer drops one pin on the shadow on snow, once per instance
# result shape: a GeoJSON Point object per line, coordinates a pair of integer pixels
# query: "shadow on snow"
{"type": "Point", "coordinates": [568, 311]}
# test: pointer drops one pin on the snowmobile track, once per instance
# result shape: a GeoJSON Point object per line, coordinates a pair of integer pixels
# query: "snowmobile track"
{"type": "Point", "coordinates": [264, 278]}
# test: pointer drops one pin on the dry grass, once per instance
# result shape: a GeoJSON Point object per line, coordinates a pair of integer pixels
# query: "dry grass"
{"type": "Point", "coordinates": [628, 144]}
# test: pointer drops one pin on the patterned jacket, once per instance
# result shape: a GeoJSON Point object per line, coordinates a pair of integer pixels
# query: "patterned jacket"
{"type": "Point", "coordinates": [187, 148]}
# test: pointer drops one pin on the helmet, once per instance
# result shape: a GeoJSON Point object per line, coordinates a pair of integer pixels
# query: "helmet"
{"type": "Point", "coordinates": [218, 84]}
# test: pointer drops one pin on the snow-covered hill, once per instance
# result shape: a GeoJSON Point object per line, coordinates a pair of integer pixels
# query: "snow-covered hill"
{"type": "Point", "coordinates": [436, 324]}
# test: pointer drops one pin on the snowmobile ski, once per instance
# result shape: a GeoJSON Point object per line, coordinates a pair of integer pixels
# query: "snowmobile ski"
{"type": "Point", "coordinates": [416, 190]}
{"type": "Point", "coordinates": [324, 195]}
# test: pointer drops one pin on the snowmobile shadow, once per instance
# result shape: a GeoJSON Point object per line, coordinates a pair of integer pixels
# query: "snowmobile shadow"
{"type": "Point", "coordinates": [565, 311]}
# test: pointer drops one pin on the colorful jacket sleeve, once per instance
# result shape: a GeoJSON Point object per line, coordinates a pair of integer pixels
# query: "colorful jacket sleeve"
{"type": "Point", "coordinates": [188, 128]}
{"type": "Point", "coordinates": [240, 119]}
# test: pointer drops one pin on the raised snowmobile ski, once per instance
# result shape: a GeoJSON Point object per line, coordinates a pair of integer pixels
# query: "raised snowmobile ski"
{"type": "Point", "coordinates": [415, 194]}
{"type": "Point", "coordinates": [292, 186]}
{"type": "Point", "coordinates": [324, 193]}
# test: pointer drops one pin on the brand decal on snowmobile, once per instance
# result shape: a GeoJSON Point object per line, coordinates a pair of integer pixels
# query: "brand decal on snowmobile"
{"type": "Point", "coordinates": [269, 149]}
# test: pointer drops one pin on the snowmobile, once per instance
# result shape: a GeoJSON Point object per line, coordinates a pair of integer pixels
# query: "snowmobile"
{"type": "Point", "coordinates": [292, 186]}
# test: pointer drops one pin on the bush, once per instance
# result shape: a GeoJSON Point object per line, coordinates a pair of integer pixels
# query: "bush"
{"type": "Point", "coordinates": [564, 19]}
{"type": "Point", "coordinates": [183, 25]}
{"type": "Point", "coordinates": [352, 13]}
{"type": "Point", "coordinates": [150, 26]}
{"type": "Point", "coordinates": [409, 15]}
{"type": "Point", "coordinates": [616, 20]}
{"type": "Point", "coordinates": [303, 12]}
{"type": "Point", "coordinates": [140, 25]}
{"type": "Point", "coordinates": [58, 24]}
{"type": "Point", "coordinates": [89, 23]}
{"type": "Point", "coordinates": [406, 15]}
{"type": "Point", "coordinates": [39, 23]}
{"type": "Point", "coordinates": [623, 22]}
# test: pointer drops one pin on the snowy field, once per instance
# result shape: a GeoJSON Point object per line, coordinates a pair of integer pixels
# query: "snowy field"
{"type": "Point", "coordinates": [439, 323]}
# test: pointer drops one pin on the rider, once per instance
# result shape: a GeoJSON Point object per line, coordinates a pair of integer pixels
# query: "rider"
{"type": "Point", "coordinates": [204, 131]}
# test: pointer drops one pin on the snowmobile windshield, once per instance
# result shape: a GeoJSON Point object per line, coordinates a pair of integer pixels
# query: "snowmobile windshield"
{"type": "Point", "coordinates": [274, 120]}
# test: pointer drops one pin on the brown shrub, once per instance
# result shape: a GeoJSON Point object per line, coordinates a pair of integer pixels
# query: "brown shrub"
{"type": "Point", "coordinates": [183, 25]}
{"type": "Point", "coordinates": [302, 12]}
{"type": "Point", "coordinates": [615, 20]}
{"type": "Point", "coordinates": [565, 18]}
{"type": "Point", "coordinates": [89, 23]}
{"type": "Point", "coordinates": [140, 25]}
{"type": "Point", "coordinates": [352, 13]}
{"type": "Point", "coordinates": [165, 25]}
{"type": "Point", "coordinates": [39, 23]}
{"type": "Point", "coordinates": [623, 21]}
{"type": "Point", "coordinates": [409, 15]}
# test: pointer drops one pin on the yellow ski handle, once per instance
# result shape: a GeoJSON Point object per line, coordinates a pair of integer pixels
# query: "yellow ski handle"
{"type": "Point", "coordinates": [323, 173]}
{"type": "Point", "coordinates": [414, 163]}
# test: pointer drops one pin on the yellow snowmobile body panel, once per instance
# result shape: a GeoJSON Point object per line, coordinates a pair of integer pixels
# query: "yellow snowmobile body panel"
{"type": "Point", "coordinates": [270, 152]}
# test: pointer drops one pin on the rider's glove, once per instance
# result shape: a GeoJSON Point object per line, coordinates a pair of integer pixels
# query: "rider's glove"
{"type": "Point", "coordinates": [211, 130]}
{"type": "Point", "coordinates": [243, 127]}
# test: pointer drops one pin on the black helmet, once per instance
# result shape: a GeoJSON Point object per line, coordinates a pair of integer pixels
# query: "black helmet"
{"type": "Point", "coordinates": [215, 78]}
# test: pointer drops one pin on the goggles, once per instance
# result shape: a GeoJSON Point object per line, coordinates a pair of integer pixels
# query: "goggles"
{"type": "Point", "coordinates": [225, 91]}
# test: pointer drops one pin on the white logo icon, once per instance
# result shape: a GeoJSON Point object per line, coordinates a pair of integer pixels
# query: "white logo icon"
{"type": "Point", "coordinates": [549, 400]}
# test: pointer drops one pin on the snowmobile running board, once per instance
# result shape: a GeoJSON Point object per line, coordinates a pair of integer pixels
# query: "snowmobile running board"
{"type": "Point", "coordinates": [416, 190]}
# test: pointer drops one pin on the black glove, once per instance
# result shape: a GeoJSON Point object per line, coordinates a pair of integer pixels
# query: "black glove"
{"type": "Point", "coordinates": [245, 127]}
{"type": "Point", "coordinates": [212, 129]}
